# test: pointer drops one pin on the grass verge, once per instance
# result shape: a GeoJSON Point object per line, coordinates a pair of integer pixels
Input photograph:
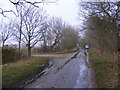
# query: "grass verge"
{"type": "Point", "coordinates": [105, 68]}
{"type": "Point", "coordinates": [14, 72]}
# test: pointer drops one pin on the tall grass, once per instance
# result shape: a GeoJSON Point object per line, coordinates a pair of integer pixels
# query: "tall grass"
{"type": "Point", "coordinates": [106, 69]}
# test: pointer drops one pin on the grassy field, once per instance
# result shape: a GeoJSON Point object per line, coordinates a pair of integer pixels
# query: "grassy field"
{"type": "Point", "coordinates": [106, 69]}
{"type": "Point", "coordinates": [15, 72]}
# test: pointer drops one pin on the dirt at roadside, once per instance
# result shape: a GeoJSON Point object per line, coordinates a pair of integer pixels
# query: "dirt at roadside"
{"type": "Point", "coordinates": [91, 78]}
{"type": "Point", "coordinates": [64, 56]}
{"type": "Point", "coordinates": [91, 74]}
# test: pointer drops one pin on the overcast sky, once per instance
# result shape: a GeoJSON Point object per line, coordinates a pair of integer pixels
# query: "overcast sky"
{"type": "Point", "coordinates": [67, 10]}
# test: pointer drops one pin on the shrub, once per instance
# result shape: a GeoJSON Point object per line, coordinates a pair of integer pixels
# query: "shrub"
{"type": "Point", "coordinates": [9, 54]}
{"type": "Point", "coordinates": [23, 52]}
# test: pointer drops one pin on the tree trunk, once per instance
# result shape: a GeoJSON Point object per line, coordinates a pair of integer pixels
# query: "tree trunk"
{"type": "Point", "coordinates": [3, 44]}
{"type": "Point", "coordinates": [20, 39]}
{"type": "Point", "coordinates": [102, 39]}
{"type": "Point", "coordinates": [29, 47]}
{"type": "Point", "coordinates": [44, 47]}
{"type": "Point", "coordinates": [29, 51]}
{"type": "Point", "coordinates": [54, 44]}
{"type": "Point", "coordinates": [19, 50]}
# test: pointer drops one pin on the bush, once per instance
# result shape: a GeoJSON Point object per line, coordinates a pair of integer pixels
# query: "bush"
{"type": "Point", "coordinates": [41, 49]}
{"type": "Point", "coordinates": [23, 52]}
{"type": "Point", "coordinates": [9, 54]}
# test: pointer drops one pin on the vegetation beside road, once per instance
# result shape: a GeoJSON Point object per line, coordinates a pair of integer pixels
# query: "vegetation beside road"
{"type": "Point", "coordinates": [105, 68]}
{"type": "Point", "coordinates": [15, 72]}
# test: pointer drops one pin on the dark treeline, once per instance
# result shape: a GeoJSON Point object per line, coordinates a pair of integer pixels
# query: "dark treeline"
{"type": "Point", "coordinates": [101, 25]}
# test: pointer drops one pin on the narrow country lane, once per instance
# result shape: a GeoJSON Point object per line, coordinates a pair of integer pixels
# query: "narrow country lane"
{"type": "Point", "coordinates": [74, 74]}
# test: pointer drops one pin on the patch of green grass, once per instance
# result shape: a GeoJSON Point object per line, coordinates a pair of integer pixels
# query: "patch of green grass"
{"type": "Point", "coordinates": [106, 70]}
{"type": "Point", "coordinates": [13, 73]}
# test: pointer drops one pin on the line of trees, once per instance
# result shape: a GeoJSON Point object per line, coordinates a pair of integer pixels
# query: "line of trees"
{"type": "Point", "coordinates": [33, 26]}
{"type": "Point", "coordinates": [101, 25]}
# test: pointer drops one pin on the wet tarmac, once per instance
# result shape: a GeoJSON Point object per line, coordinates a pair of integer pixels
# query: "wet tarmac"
{"type": "Point", "coordinates": [74, 74]}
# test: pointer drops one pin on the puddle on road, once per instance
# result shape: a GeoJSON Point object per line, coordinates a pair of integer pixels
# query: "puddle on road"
{"type": "Point", "coordinates": [73, 75]}
{"type": "Point", "coordinates": [82, 80]}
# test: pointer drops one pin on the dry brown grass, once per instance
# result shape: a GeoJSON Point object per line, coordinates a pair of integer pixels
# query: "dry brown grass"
{"type": "Point", "coordinates": [106, 69]}
{"type": "Point", "coordinates": [24, 61]}
{"type": "Point", "coordinates": [112, 55]}
{"type": "Point", "coordinates": [65, 56]}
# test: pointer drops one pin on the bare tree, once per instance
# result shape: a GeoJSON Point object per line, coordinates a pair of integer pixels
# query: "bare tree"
{"type": "Point", "coordinates": [34, 26]}
{"type": "Point", "coordinates": [100, 22]}
{"type": "Point", "coordinates": [18, 27]}
{"type": "Point", "coordinates": [70, 38]}
{"type": "Point", "coordinates": [56, 28]}
{"type": "Point", "coordinates": [5, 32]}
{"type": "Point", "coordinates": [108, 9]}
{"type": "Point", "coordinates": [18, 3]}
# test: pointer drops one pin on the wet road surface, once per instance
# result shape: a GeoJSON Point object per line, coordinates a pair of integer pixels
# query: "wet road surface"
{"type": "Point", "coordinates": [74, 74]}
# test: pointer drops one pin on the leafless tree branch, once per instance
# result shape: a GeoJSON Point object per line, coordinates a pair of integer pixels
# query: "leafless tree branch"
{"type": "Point", "coordinates": [22, 2]}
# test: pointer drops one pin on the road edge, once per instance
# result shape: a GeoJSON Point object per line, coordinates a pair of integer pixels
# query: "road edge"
{"type": "Point", "coordinates": [91, 74]}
